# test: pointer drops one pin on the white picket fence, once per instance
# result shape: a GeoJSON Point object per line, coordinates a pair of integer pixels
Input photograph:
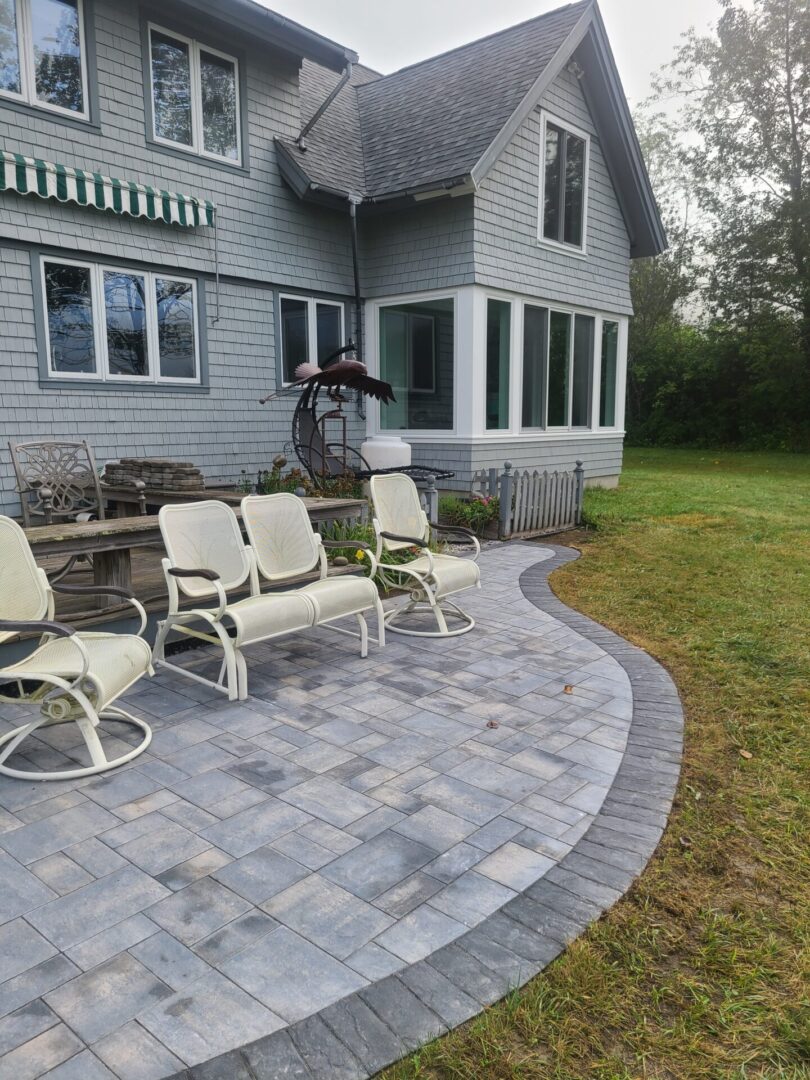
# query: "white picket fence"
{"type": "Point", "coordinates": [533, 503]}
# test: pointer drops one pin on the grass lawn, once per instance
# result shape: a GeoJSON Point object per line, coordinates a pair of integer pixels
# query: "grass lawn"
{"type": "Point", "coordinates": [702, 969]}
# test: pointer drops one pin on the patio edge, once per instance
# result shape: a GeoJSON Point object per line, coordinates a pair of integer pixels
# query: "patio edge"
{"type": "Point", "coordinates": [358, 1036]}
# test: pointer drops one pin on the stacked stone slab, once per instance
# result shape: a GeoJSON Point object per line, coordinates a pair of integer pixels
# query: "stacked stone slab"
{"type": "Point", "coordinates": [156, 473]}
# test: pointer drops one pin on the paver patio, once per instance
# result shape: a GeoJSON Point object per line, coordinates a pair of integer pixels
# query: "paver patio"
{"type": "Point", "coordinates": [350, 859]}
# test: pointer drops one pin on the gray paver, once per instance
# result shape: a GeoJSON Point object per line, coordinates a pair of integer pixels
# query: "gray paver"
{"type": "Point", "coordinates": [33, 842]}
{"type": "Point", "coordinates": [370, 1040]}
{"type": "Point", "coordinates": [293, 977]}
{"type": "Point", "coordinates": [21, 889]}
{"type": "Point", "coordinates": [25, 1024]}
{"type": "Point", "coordinates": [198, 910]}
{"type": "Point", "coordinates": [403, 1012]}
{"type": "Point", "coordinates": [420, 933]}
{"type": "Point", "coordinates": [378, 865]}
{"type": "Point", "coordinates": [34, 982]}
{"type": "Point", "coordinates": [457, 797]}
{"type": "Point", "coordinates": [254, 827]}
{"type": "Point", "coordinates": [134, 1054]}
{"type": "Point", "coordinates": [441, 995]}
{"type": "Point", "coordinates": [21, 948]}
{"type": "Point", "coordinates": [163, 848]}
{"type": "Point", "coordinates": [435, 828]}
{"type": "Point", "coordinates": [330, 801]}
{"type": "Point", "coordinates": [260, 875]}
{"type": "Point", "coordinates": [84, 1066]}
{"type": "Point", "coordinates": [470, 897]}
{"type": "Point", "coordinates": [95, 950]}
{"type": "Point", "coordinates": [172, 962]}
{"type": "Point", "coordinates": [235, 936]}
{"type": "Point", "coordinates": [327, 915]}
{"type": "Point", "coordinates": [60, 873]}
{"type": "Point", "coordinates": [514, 866]}
{"type": "Point", "coordinates": [40, 1054]}
{"type": "Point", "coordinates": [323, 1052]}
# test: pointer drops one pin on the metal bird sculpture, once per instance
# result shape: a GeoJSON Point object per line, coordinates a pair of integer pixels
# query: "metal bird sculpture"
{"type": "Point", "coordinates": [336, 373]}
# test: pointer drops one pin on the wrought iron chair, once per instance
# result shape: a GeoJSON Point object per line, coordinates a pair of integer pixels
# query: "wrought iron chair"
{"type": "Point", "coordinates": [207, 557]}
{"type": "Point", "coordinates": [285, 545]}
{"type": "Point", "coordinates": [57, 482]}
{"type": "Point", "coordinates": [401, 523]}
{"type": "Point", "coordinates": [76, 676]}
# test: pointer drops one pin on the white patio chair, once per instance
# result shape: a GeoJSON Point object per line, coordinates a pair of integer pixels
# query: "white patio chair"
{"type": "Point", "coordinates": [207, 558]}
{"type": "Point", "coordinates": [285, 545]}
{"type": "Point", "coordinates": [401, 523]}
{"type": "Point", "coordinates": [76, 676]}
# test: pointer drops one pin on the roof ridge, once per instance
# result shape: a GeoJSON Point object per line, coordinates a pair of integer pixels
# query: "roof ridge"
{"type": "Point", "coordinates": [478, 41]}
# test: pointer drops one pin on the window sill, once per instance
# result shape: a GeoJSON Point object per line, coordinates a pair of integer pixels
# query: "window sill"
{"type": "Point", "coordinates": [123, 386]}
{"type": "Point", "coordinates": [27, 109]}
{"type": "Point", "coordinates": [194, 156]}
{"type": "Point", "coordinates": [562, 249]}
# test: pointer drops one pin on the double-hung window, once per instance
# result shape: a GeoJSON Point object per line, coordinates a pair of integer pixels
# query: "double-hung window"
{"type": "Point", "coordinates": [43, 58]}
{"type": "Point", "coordinates": [564, 185]}
{"type": "Point", "coordinates": [311, 330]}
{"type": "Point", "coordinates": [119, 325]}
{"type": "Point", "coordinates": [195, 96]}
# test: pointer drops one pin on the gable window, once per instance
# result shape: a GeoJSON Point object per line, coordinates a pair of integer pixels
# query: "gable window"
{"type": "Point", "coordinates": [42, 54]}
{"type": "Point", "coordinates": [195, 96]}
{"type": "Point", "coordinates": [113, 324]}
{"type": "Point", "coordinates": [311, 330]}
{"type": "Point", "coordinates": [564, 172]}
{"type": "Point", "coordinates": [417, 357]}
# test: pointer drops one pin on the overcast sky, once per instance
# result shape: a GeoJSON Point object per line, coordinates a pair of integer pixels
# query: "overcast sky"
{"type": "Point", "coordinates": [390, 34]}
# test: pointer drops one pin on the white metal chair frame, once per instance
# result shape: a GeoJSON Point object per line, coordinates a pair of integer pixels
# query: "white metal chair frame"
{"type": "Point", "coordinates": [77, 696]}
{"type": "Point", "coordinates": [423, 576]}
{"type": "Point", "coordinates": [227, 623]}
{"type": "Point", "coordinates": [310, 549]}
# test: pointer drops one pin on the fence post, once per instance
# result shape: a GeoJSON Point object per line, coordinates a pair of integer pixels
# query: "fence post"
{"type": "Point", "coordinates": [431, 499]}
{"type": "Point", "coordinates": [492, 487]}
{"type": "Point", "coordinates": [579, 473]}
{"type": "Point", "coordinates": [505, 502]}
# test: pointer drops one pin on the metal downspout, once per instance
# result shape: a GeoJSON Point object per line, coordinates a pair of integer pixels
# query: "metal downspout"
{"type": "Point", "coordinates": [354, 200]}
{"type": "Point", "coordinates": [313, 120]}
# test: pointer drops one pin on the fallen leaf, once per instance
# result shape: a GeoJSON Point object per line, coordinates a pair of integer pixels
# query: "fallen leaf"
{"type": "Point", "coordinates": [685, 842]}
{"type": "Point", "coordinates": [746, 754]}
{"type": "Point", "coordinates": [568, 690]}
{"type": "Point", "coordinates": [492, 723]}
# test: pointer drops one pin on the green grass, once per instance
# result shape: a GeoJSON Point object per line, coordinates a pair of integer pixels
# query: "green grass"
{"type": "Point", "coordinates": [702, 970]}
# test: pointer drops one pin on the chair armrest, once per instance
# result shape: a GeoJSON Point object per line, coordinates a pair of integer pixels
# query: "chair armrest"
{"type": "Point", "coordinates": [459, 530]}
{"type": "Point", "coordinates": [362, 545]}
{"type": "Point", "coordinates": [179, 571]}
{"type": "Point", "coordinates": [21, 626]}
{"type": "Point", "coordinates": [99, 590]}
{"type": "Point", "coordinates": [405, 539]}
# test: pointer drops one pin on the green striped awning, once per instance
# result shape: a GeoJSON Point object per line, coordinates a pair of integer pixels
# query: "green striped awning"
{"type": "Point", "coordinates": [51, 181]}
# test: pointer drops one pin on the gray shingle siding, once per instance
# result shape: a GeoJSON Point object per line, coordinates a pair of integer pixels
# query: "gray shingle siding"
{"type": "Point", "coordinates": [507, 252]}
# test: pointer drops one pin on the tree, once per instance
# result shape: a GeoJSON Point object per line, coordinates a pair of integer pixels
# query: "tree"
{"type": "Point", "coordinates": [746, 124]}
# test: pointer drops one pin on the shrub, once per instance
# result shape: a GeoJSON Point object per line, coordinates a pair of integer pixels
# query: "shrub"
{"type": "Point", "coordinates": [475, 513]}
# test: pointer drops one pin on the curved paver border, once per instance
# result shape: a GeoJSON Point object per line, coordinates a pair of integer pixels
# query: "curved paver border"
{"type": "Point", "coordinates": [363, 1033]}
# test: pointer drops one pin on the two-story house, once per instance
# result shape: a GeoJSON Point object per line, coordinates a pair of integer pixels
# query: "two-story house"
{"type": "Point", "coordinates": [182, 223]}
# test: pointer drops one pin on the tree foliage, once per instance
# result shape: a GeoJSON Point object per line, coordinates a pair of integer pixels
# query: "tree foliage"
{"type": "Point", "coordinates": [732, 175]}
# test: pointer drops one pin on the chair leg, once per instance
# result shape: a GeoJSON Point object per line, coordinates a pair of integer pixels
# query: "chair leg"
{"type": "Point", "coordinates": [159, 650]}
{"type": "Point", "coordinates": [380, 624]}
{"type": "Point", "coordinates": [363, 634]}
{"type": "Point", "coordinates": [242, 676]}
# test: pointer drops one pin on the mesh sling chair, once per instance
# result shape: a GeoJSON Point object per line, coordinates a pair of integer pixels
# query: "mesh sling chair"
{"type": "Point", "coordinates": [207, 558]}
{"type": "Point", "coordinates": [285, 546]}
{"type": "Point", "coordinates": [401, 523]}
{"type": "Point", "coordinates": [76, 676]}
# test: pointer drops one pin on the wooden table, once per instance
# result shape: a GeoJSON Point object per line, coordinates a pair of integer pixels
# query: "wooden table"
{"type": "Point", "coordinates": [111, 541]}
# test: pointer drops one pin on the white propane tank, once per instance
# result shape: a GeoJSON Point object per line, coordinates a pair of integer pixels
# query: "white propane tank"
{"type": "Point", "coordinates": [386, 451]}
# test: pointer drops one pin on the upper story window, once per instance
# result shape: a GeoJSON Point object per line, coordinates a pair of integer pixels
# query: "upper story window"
{"type": "Point", "coordinates": [564, 186]}
{"type": "Point", "coordinates": [195, 96]}
{"type": "Point", "coordinates": [43, 59]}
{"type": "Point", "coordinates": [114, 324]}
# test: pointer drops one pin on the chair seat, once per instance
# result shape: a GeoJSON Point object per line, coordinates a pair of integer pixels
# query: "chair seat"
{"type": "Point", "coordinates": [116, 662]}
{"type": "Point", "coordinates": [335, 597]}
{"type": "Point", "coordinates": [450, 573]}
{"type": "Point", "coordinates": [260, 617]}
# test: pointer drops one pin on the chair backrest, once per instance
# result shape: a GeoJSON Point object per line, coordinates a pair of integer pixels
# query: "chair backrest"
{"type": "Point", "coordinates": [397, 508]}
{"type": "Point", "coordinates": [24, 591]}
{"type": "Point", "coordinates": [205, 536]}
{"type": "Point", "coordinates": [67, 470]}
{"type": "Point", "coordinates": [281, 535]}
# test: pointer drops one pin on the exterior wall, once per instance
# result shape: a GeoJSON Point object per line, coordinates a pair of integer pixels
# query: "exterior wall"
{"type": "Point", "coordinates": [429, 246]}
{"type": "Point", "coordinates": [600, 454]}
{"type": "Point", "coordinates": [507, 252]}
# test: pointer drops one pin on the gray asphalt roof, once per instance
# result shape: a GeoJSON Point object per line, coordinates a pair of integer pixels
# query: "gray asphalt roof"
{"type": "Point", "coordinates": [429, 122]}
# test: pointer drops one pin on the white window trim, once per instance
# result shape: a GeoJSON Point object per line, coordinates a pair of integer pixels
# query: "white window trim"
{"type": "Point", "coordinates": [102, 372]}
{"type": "Point", "coordinates": [194, 48]}
{"type": "Point", "coordinates": [312, 303]}
{"type": "Point", "coordinates": [25, 45]}
{"type": "Point", "coordinates": [461, 414]}
{"type": "Point", "coordinates": [580, 250]}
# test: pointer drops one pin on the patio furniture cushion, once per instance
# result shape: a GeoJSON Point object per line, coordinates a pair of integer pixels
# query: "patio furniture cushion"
{"type": "Point", "coordinates": [116, 662]}
{"type": "Point", "coordinates": [450, 574]}
{"type": "Point", "coordinates": [334, 598]}
{"type": "Point", "coordinates": [259, 617]}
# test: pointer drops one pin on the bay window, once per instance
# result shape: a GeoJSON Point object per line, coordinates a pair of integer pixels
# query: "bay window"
{"type": "Point", "coordinates": [43, 59]}
{"type": "Point", "coordinates": [195, 96]}
{"type": "Point", "coordinates": [564, 182]}
{"type": "Point", "coordinates": [416, 349]}
{"type": "Point", "coordinates": [113, 324]}
{"type": "Point", "coordinates": [607, 386]}
{"type": "Point", "coordinates": [311, 330]}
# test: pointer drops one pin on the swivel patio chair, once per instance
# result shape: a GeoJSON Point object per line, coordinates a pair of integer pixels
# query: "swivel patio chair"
{"type": "Point", "coordinates": [285, 546]}
{"type": "Point", "coordinates": [207, 558]}
{"type": "Point", "coordinates": [401, 523]}
{"type": "Point", "coordinates": [72, 676]}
